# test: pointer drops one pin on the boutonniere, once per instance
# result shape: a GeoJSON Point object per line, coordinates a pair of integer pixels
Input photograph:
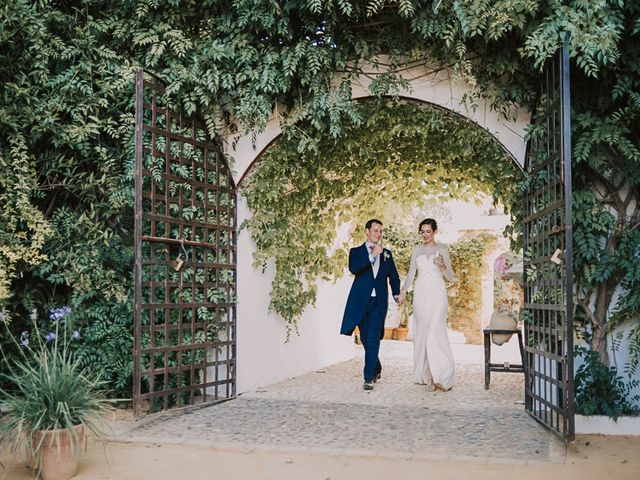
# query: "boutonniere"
{"type": "Point", "coordinates": [386, 255]}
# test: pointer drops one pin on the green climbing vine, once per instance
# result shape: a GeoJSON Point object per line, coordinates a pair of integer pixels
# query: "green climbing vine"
{"type": "Point", "coordinates": [66, 128]}
{"type": "Point", "coordinates": [465, 292]}
{"type": "Point", "coordinates": [400, 153]}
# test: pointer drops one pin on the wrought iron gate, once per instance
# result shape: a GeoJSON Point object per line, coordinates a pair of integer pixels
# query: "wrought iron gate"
{"type": "Point", "coordinates": [185, 259]}
{"type": "Point", "coordinates": [548, 319]}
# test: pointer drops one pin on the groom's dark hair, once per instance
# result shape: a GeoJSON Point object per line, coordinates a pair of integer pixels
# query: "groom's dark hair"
{"type": "Point", "coordinates": [367, 225]}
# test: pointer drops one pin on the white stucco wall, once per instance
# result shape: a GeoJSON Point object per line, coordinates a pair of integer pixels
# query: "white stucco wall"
{"type": "Point", "coordinates": [436, 86]}
{"type": "Point", "coordinates": [618, 347]}
{"type": "Point", "coordinates": [622, 356]}
{"type": "Point", "coordinates": [263, 356]}
{"type": "Point", "coordinates": [619, 356]}
{"type": "Point", "coordinates": [440, 87]}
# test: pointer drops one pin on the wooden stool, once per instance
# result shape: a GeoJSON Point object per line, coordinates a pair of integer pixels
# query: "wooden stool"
{"type": "Point", "coordinates": [496, 367]}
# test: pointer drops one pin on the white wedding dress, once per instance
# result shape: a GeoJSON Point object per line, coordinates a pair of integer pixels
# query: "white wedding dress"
{"type": "Point", "coordinates": [433, 362]}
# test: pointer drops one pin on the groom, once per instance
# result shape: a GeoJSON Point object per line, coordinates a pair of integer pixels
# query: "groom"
{"type": "Point", "coordinates": [367, 304]}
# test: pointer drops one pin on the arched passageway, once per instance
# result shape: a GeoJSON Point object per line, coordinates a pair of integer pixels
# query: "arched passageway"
{"type": "Point", "coordinates": [465, 162]}
{"type": "Point", "coordinates": [263, 356]}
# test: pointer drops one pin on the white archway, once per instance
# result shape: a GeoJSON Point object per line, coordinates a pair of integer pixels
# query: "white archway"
{"type": "Point", "coordinates": [436, 86]}
{"type": "Point", "coordinates": [263, 356]}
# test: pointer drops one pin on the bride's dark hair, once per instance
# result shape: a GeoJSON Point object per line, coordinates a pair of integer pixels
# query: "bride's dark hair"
{"type": "Point", "coordinates": [428, 221]}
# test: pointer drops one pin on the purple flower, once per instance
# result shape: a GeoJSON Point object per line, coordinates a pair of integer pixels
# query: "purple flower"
{"type": "Point", "coordinates": [24, 339]}
{"type": "Point", "coordinates": [57, 314]}
{"type": "Point", "coordinates": [75, 334]}
{"type": "Point", "coordinates": [500, 265]}
{"type": "Point", "coordinates": [50, 336]}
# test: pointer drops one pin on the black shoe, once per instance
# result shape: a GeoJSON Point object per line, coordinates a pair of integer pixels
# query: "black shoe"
{"type": "Point", "coordinates": [368, 385]}
{"type": "Point", "coordinates": [377, 377]}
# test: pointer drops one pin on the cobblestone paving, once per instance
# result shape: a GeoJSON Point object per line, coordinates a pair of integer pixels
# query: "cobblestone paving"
{"type": "Point", "coordinates": [328, 412]}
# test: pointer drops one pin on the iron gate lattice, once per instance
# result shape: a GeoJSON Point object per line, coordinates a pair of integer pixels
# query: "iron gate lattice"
{"type": "Point", "coordinates": [547, 243]}
{"type": "Point", "coordinates": [185, 258]}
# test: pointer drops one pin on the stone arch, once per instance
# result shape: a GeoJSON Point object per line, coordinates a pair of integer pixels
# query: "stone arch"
{"type": "Point", "coordinates": [438, 87]}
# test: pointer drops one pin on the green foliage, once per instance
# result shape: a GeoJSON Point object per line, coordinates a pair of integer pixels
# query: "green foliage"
{"type": "Point", "coordinates": [400, 240]}
{"type": "Point", "coordinates": [606, 137]}
{"type": "Point", "coordinates": [600, 390]}
{"type": "Point", "coordinates": [631, 368]}
{"type": "Point", "coordinates": [23, 228]}
{"type": "Point", "coordinates": [65, 161]}
{"type": "Point", "coordinates": [106, 341]}
{"type": "Point", "coordinates": [400, 153]}
{"type": "Point", "coordinates": [66, 121]}
{"type": "Point", "coordinates": [465, 292]}
{"type": "Point", "coordinates": [594, 28]}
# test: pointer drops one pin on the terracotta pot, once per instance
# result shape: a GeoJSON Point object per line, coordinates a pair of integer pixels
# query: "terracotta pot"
{"type": "Point", "coordinates": [503, 320]}
{"type": "Point", "coordinates": [59, 453]}
{"type": "Point", "coordinates": [400, 333]}
{"type": "Point", "coordinates": [388, 333]}
{"type": "Point", "coordinates": [356, 335]}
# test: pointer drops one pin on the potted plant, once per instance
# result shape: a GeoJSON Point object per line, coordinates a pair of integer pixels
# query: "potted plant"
{"type": "Point", "coordinates": [50, 401]}
{"type": "Point", "coordinates": [402, 330]}
{"type": "Point", "coordinates": [401, 239]}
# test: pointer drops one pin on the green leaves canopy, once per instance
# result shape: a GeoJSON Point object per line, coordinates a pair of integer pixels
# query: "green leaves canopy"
{"type": "Point", "coordinates": [400, 153]}
{"type": "Point", "coordinates": [66, 109]}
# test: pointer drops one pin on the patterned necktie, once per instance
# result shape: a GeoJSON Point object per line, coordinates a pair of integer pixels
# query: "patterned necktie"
{"type": "Point", "coordinates": [374, 264]}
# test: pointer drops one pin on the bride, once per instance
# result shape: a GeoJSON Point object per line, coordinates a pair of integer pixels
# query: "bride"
{"type": "Point", "coordinates": [433, 362]}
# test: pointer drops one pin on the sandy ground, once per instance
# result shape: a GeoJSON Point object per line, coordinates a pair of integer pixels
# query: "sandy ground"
{"type": "Point", "coordinates": [589, 457]}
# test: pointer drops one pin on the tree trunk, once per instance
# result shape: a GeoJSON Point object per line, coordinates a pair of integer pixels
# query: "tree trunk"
{"type": "Point", "coordinates": [599, 323]}
{"type": "Point", "coordinates": [599, 343]}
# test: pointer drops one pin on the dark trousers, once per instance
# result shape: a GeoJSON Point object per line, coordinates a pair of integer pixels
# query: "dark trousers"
{"type": "Point", "coordinates": [370, 329]}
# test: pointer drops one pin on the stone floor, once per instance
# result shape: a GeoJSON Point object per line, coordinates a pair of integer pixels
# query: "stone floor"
{"type": "Point", "coordinates": [328, 411]}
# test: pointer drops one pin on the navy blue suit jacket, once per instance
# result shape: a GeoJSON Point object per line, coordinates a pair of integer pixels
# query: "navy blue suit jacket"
{"type": "Point", "coordinates": [364, 283]}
